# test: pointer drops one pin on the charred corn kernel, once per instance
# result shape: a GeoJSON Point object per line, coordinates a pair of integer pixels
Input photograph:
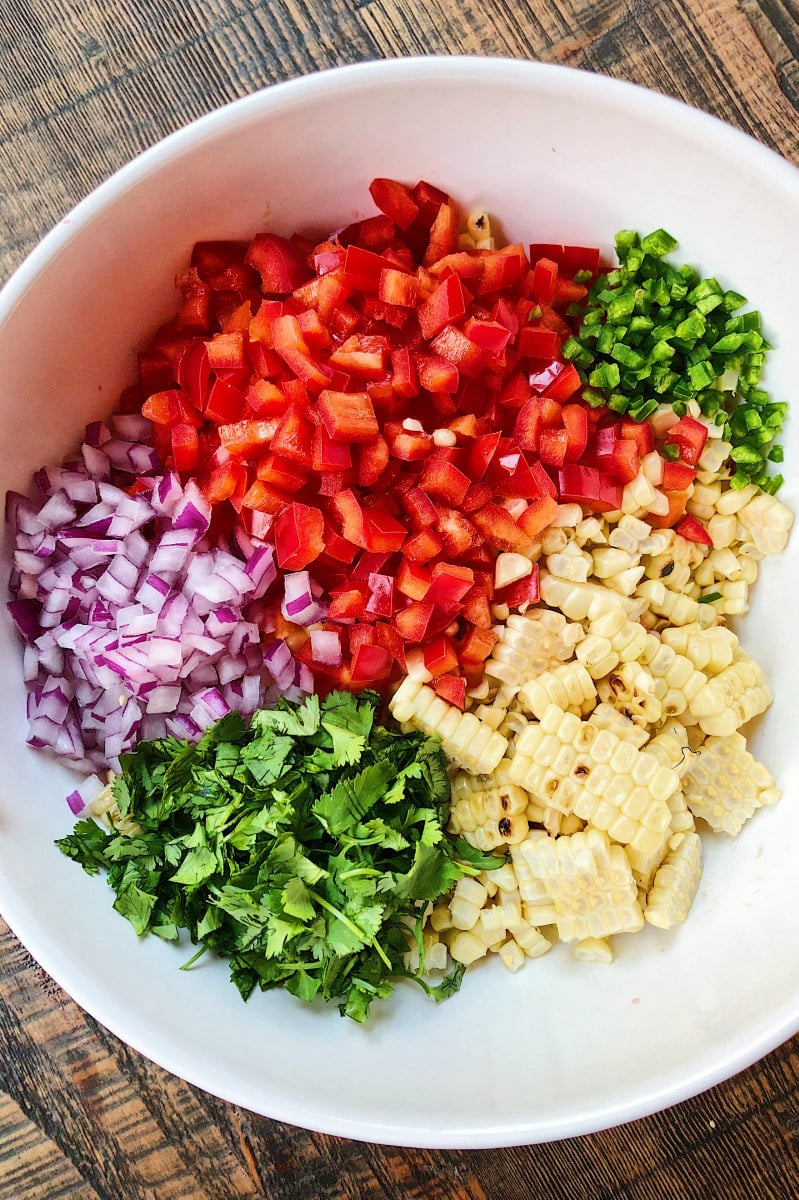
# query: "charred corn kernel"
{"type": "Point", "coordinates": [710, 650]}
{"type": "Point", "coordinates": [730, 501]}
{"type": "Point", "coordinates": [768, 521]}
{"type": "Point", "coordinates": [731, 698]}
{"type": "Point", "coordinates": [589, 882]}
{"type": "Point", "coordinates": [676, 678]}
{"type": "Point", "coordinates": [478, 224]}
{"type": "Point", "coordinates": [576, 768]}
{"type": "Point", "coordinates": [678, 610]}
{"type": "Point", "coordinates": [571, 823]}
{"type": "Point", "coordinates": [441, 918]}
{"type": "Point", "coordinates": [466, 948]}
{"type": "Point", "coordinates": [569, 686]}
{"type": "Point", "coordinates": [631, 689]}
{"type": "Point", "coordinates": [512, 955]}
{"type": "Point", "coordinates": [605, 716]}
{"type": "Point", "coordinates": [593, 950]}
{"type": "Point", "coordinates": [510, 567]}
{"type": "Point", "coordinates": [529, 644]}
{"type": "Point", "coordinates": [472, 745]}
{"type": "Point", "coordinates": [676, 883]}
{"type": "Point", "coordinates": [579, 601]}
{"type": "Point", "coordinates": [725, 785]}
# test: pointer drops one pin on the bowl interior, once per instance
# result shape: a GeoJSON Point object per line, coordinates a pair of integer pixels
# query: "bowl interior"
{"type": "Point", "coordinates": [560, 1048]}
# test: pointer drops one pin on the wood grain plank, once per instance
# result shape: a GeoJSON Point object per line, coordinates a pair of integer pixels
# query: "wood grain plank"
{"type": "Point", "coordinates": [33, 1166]}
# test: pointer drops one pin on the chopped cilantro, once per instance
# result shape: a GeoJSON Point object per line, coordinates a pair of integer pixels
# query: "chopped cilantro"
{"type": "Point", "coordinates": [304, 848]}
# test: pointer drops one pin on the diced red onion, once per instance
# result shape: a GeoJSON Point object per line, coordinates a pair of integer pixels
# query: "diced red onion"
{"type": "Point", "coordinates": [82, 797]}
{"type": "Point", "coordinates": [326, 647]}
{"type": "Point", "coordinates": [132, 427]}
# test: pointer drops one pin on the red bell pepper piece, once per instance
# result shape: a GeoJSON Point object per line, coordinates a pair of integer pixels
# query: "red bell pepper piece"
{"type": "Point", "coordinates": [449, 585]}
{"type": "Point", "coordinates": [413, 621]}
{"type": "Point", "coordinates": [444, 480]}
{"type": "Point", "coordinates": [395, 200]}
{"type": "Point", "coordinates": [370, 664]}
{"type": "Point", "coordinates": [422, 546]}
{"type": "Point", "coordinates": [457, 348]}
{"type": "Point", "coordinates": [373, 461]}
{"type": "Point", "coordinates": [413, 578]}
{"type": "Point", "coordinates": [589, 487]}
{"type": "Point", "coordinates": [420, 509]}
{"type": "Point", "coordinates": [265, 399]}
{"type": "Point", "coordinates": [363, 268]}
{"type": "Point", "coordinates": [404, 379]}
{"type": "Point", "coordinates": [451, 688]}
{"type": "Point", "coordinates": [690, 435]}
{"type": "Point", "coordinates": [477, 645]}
{"type": "Point", "coordinates": [278, 261]}
{"type": "Point", "coordinates": [348, 510]}
{"type": "Point", "coordinates": [299, 536]}
{"type": "Point", "coordinates": [293, 438]}
{"type": "Point", "coordinates": [575, 422]}
{"type": "Point", "coordinates": [639, 432]}
{"type": "Point", "coordinates": [565, 384]}
{"type": "Point", "coordinates": [328, 454]}
{"type": "Point", "coordinates": [348, 604]}
{"type": "Point", "coordinates": [443, 234]}
{"type": "Point", "coordinates": [398, 288]}
{"type": "Point", "coordinates": [522, 592]}
{"type": "Point", "coordinates": [440, 656]}
{"type": "Point", "coordinates": [224, 403]}
{"type": "Point", "coordinates": [481, 454]}
{"type": "Point", "coordinates": [243, 439]}
{"type": "Point", "coordinates": [447, 304]}
{"type": "Point", "coordinates": [437, 374]}
{"type": "Point", "coordinates": [171, 407]}
{"type": "Point", "coordinates": [693, 530]}
{"type": "Point", "coordinates": [380, 602]}
{"type": "Point", "coordinates": [538, 516]}
{"type": "Point", "coordinates": [281, 473]}
{"type": "Point", "coordinates": [539, 342]}
{"type": "Point", "coordinates": [552, 447]}
{"type": "Point", "coordinates": [226, 351]}
{"type": "Point", "coordinates": [265, 498]}
{"type": "Point", "coordinates": [185, 447]}
{"type": "Point", "coordinates": [499, 528]}
{"type": "Point", "coordinates": [381, 532]}
{"type": "Point", "coordinates": [545, 275]}
{"type": "Point", "coordinates": [677, 476]}
{"type": "Point", "coordinates": [458, 534]}
{"type": "Point", "coordinates": [348, 416]}
{"type": "Point", "coordinates": [193, 373]}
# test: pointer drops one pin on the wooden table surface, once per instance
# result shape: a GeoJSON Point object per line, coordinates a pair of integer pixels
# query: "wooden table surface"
{"type": "Point", "coordinates": [84, 85]}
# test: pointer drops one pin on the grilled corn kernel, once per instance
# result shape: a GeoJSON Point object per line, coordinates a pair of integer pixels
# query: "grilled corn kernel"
{"type": "Point", "coordinates": [676, 883]}
{"type": "Point", "coordinates": [725, 785]}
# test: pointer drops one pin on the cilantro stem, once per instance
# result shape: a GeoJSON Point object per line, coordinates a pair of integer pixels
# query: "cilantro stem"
{"type": "Point", "coordinates": [194, 958]}
{"type": "Point", "coordinates": [353, 928]}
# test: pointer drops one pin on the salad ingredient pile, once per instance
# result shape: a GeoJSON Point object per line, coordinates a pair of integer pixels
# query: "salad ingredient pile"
{"type": "Point", "coordinates": [508, 497]}
{"type": "Point", "coordinates": [305, 848]}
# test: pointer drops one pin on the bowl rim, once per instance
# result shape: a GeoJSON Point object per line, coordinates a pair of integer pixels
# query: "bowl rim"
{"type": "Point", "coordinates": [457, 68]}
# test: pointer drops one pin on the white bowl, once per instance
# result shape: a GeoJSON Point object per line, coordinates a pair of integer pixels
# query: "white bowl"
{"type": "Point", "coordinates": [561, 1048]}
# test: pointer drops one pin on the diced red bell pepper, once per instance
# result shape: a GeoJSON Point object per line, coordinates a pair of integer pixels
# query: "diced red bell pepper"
{"type": "Point", "coordinates": [575, 422]}
{"type": "Point", "coordinates": [498, 528]}
{"type": "Point", "coordinates": [299, 536]}
{"type": "Point", "coordinates": [265, 399]}
{"type": "Point", "coordinates": [538, 342]}
{"type": "Point", "coordinates": [278, 261]}
{"type": "Point", "coordinates": [490, 336]}
{"type": "Point", "coordinates": [413, 577]}
{"type": "Point", "coordinates": [413, 621]}
{"type": "Point", "coordinates": [327, 454]}
{"type": "Point", "coordinates": [338, 548]}
{"type": "Point", "coordinates": [422, 546]}
{"type": "Point", "coordinates": [224, 481]}
{"type": "Point", "coordinates": [639, 432]}
{"type": "Point", "coordinates": [589, 487]}
{"type": "Point", "coordinates": [348, 604]}
{"type": "Point", "coordinates": [171, 407]}
{"type": "Point", "coordinates": [226, 351]}
{"type": "Point", "coordinates": [481, 454]}
{"type": "Point", "coordinates": [502, 269]}
{"type": "Point", "coordinates": [624, 462]}
{"type": "Point", "coordinates": [446, 305]}
{"type": "Point", "coordinates": [545, 276]}
{"type": "Point", "coordinates": [405, 379]}
{"type": "Point", "coordinates": [264, 497]}
{"type": "Point", "coordinates": [381, 531]}
{"type": "Point", "coordinates": [443, 234]}
{"type": "Point", "coordinates": [457, 532]}
{"type": "Point", "coordinates": [420, 509]}
{"type": "Point", "coordinates": [436, 374]}
{"type": "Point", "coordinates": [538, 516]}
{"type": "Point", "coordinates": [395, 200]}
{"type": "Point", "coordinates": [690, 435]}
{"type": "Point", "coordinates": [398, 288]}
{"type": "Point", "coordinates": [449, 585]}
{"type": "Point", "coordinates": [410, 447]}
{"type": "Point", "coordinates": [224, 403]}
{"type": "Point", "coordinates": [451, 688]}
{"type": "Point", "coordinates": [347, 508]}
{"type": "Point", "coordinates": [460, 350]}
{"type": "Point", "coordinates": [185, 447]}
{"type": "Point", "coordinates": [440, 655]}
{"type": "Point", "coordinates": [693, 530]}
{"type": "Point", "coordinates": [476, 498]}
{"type": "Point", "coordinates": [565, 384]}
{"type": "Point", "coordinates": [363, 268]}
{"type": "Point", "coordinates": [677, 476]}
{"type": "Point", "coordinates": [348, 416]}
{"type": "Point", "coordinates": [245, 439]}
{"type": "Point", "coordinates": [477, 645]}
{"type": "Point", "coordinates": [373, 461]}
{"type": "Point", "coordinates": [281, 473]}
{"type": "Point", "coordinates": [444, 480]}
{"type": "Point", "coordinates": [552, 447]}
{"type": "Point", "coordinates": [193, 373]}
{"type": "Point", "coordinates": [370, 664]}
{"type": "Point", "coordinates": [293, 438]}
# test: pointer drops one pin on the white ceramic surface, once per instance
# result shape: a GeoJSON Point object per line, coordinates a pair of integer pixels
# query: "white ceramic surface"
{"type": "Point", "coordinates": [561, 1048]}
